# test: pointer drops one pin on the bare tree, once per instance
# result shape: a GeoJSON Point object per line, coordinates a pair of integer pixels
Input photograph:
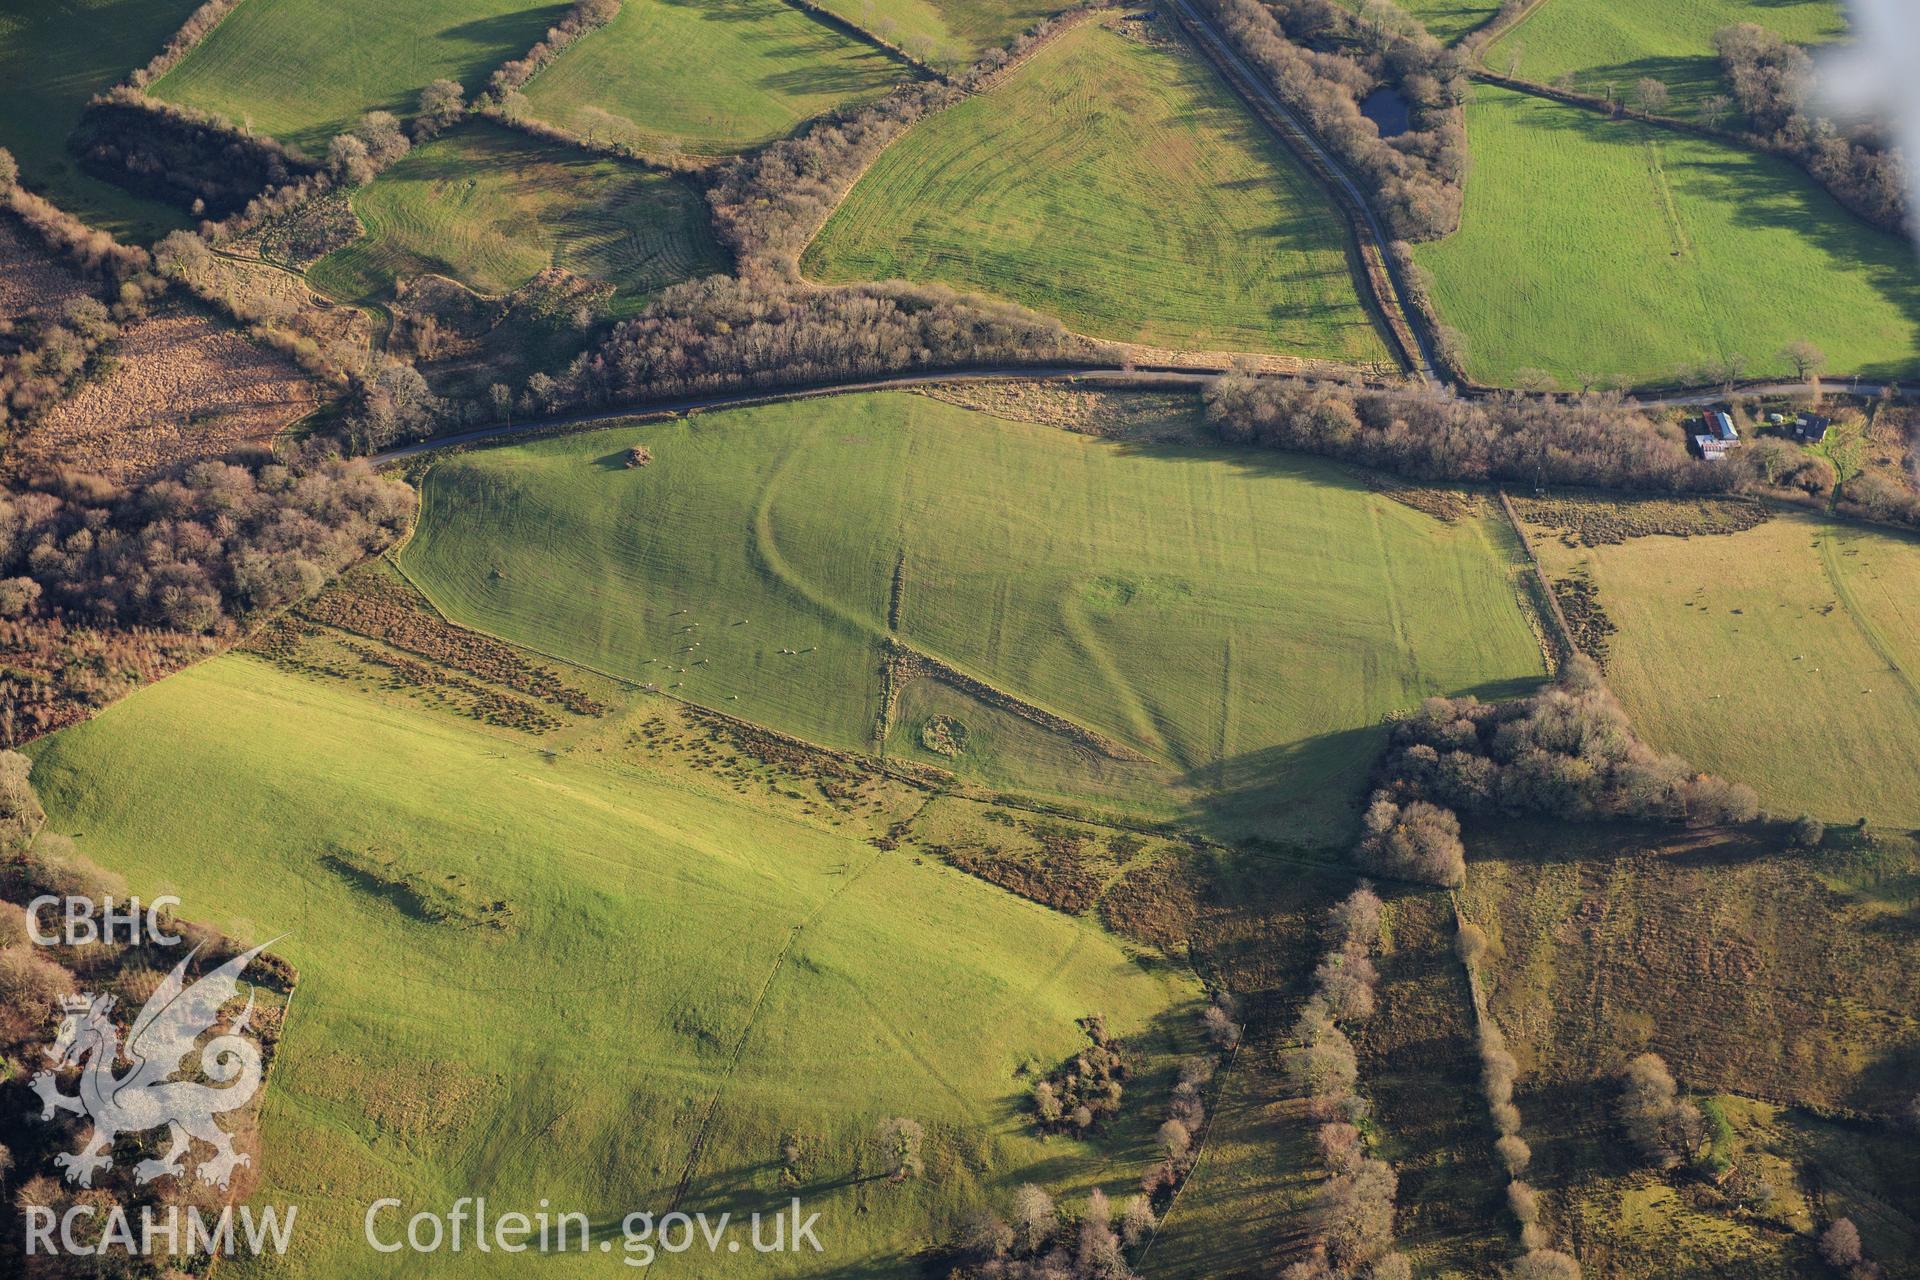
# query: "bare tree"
{"type": "Point", "coordinates": [1033, 1219]}
{"type": "Point", "coordinates": [1544, 1264]}
{"type": "Point", "coordinates": [1666, 1127]}
{"type": "Point", "coordinates": [1840, 1243]}
{"type": "Point", "coordinates": [1470, 944]}
{"type": "Point", "coordinates": [1714, 108]}
{"type": "Point", "coordinates": [1807, 360]}
{"type": "Point", "coordinates": [1650, 95]}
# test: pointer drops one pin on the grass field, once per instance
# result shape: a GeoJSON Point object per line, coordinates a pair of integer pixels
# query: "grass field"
{"type": "Point", "coordinates": [1118, 185]}
{"type": "Point", "coordinates": [491, 208]}
{"type": "Point", "coordinates": [671, 948]}
{"type": "Point", "coordinates": [303, 70]}
{"type": "Point", "coordinates": [708, 77]}
{"type": "Point", "coordinates": [52, 59]}
{"type": "Point", "coordinates": [1445, 20]}
{"type": "Point", "coordinates": [1242, 620]}
{"type": "Point", "coordinates": [1616, 43]}
{"type": "Point", "coordinates": [1657, 251]}
{"type": "Point", "coordinates": [944, 33]}
{"type": "Point", "coordinates": [1785, 656]}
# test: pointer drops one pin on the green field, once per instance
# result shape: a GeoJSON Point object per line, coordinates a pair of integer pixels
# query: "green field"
{"type": "Point", "coordinates": [1445, 20]}
{"type": "Point", "coordinates": [708, 77]}
{"type": "Point", "coordinates": [672, 946]}
{"type": "Point", "coordinates": [945, 33]}
{"type": "Point", "coordinates": [1614, 44]}
{"type": "Point", "coordinates": [490, 208]}
{"type": "Point", "coordinates": [1242, 620]}
{"type": "Point", "coordinates": [1786, 656]}
{"type": "Point", "coordinates": [304, 70]}
{"type": "Point", "coordinates": [1118, 185]}
{"type": "Point", "coordinates": [1592, 246]}
{"type": "Point", "coordinates": [53, 57]}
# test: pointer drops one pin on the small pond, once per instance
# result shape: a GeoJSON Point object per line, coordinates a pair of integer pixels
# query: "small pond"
{"type": "Point", "coordinates": [1388, 110]}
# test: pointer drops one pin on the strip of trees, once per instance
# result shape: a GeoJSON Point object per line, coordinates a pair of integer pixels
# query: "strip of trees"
{"type": "Point", "coordinates": [1597, 439]}
{"type": "Point", "coordinates": [1353, 1210]}
{"type": "Point", "coordinates": [582, 17]}
{"type": "Point", "coordinates": [198, 26]}
{"type": "Point", "coordinates": [1323, 60]}
{"type": "Point", "coordinates": [722, 333]}
{"type": "Point", "coordinates": [1498, 1071]}
{"type": "Point", "coordinates": [195, 159]}
{"type": "Point", "coordinates": [1772, 82]}
{"type": "Point", "coordinates": [769, 204]}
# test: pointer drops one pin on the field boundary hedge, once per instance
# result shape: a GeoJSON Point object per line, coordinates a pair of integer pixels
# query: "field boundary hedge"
{"type": "Point", "coordinates": [828, 18]}
{"type": "Point", "coordinates": [1539, 587]}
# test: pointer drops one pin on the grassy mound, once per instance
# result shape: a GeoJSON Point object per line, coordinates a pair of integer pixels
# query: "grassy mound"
{"type": "Point", "coordinates": [1616, 43]}
{"type": "Point", "coordinates": [52, 59]}
{"type": "Point", "coordinates": [1241, 622]}
{"type": "Point", "coordinates": [707, 76]}
{"type": "Point", "coordinates": [491, 208]}
{"type": "Point", "coordinates": [1591, 246]}
{"type": "Point", "coordinates": [570, 969]}
{"type": "Point", "coordinates": [1785, 656]}
{"type": "Point", "coordinates": [303, 70]}
{"type": "Point", "coordinates": [1117, 184]}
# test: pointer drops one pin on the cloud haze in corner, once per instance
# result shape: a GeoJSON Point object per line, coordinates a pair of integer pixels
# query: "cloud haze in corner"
{"type": "Point", "coordinates": [1878, 73]}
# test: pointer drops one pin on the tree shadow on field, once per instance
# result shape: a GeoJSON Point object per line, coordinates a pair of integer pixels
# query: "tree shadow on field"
{"type": "Point", "coordinates": [809, 76]}
{"type": "Point", "coordinates": [1302, 795]}
{"type": "Point", "coordinates": [513, 33]}
{"type": "Point", "coordinates": [1686, 75]}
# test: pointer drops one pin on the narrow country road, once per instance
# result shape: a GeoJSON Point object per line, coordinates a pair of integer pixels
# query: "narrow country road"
{"type": "Point", "coordinates": [1106, 376]}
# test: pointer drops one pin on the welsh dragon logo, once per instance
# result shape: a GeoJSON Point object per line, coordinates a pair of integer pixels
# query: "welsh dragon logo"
{"type": "Point", "coordinates": [145, 1097]}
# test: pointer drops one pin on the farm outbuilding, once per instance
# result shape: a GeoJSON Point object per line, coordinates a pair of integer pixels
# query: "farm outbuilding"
{"type": "Point", "coordinates": [1810, 428]}
{"type": "Point", "coordinates": [1718, 435]}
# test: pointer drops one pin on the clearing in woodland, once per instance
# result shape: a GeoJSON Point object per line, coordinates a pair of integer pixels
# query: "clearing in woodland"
{"type": "Point", "coordinates": [1237, 623]}
{"type": "Point", "coordinates": [707, 77]}
{"type": "Point", "coordinates": [491, 208]}
{"type": "Point", "coordinates": [1115, 182]}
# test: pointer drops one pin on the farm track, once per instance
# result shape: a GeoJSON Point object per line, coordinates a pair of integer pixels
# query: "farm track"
{"type": "Point", "coordinates": [1836, 575]}
{"type": "Point", "coordinates": [753, 1018]}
